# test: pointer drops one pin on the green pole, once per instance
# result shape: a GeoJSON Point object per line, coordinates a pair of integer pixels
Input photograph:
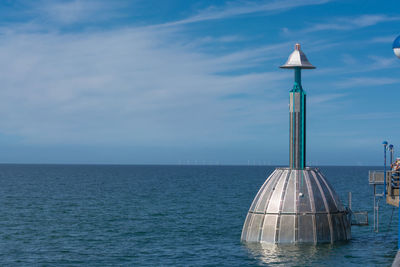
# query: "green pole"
{"type": "Point", "coordinates": [300, 144]}
{"type": "Point", "coordinates": [297, 76]}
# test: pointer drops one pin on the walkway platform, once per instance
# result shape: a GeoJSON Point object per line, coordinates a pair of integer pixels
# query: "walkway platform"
{"type": "Point", "coordinates": [392, 185]}
{"type": "Point", "coordinates": [396, 262]}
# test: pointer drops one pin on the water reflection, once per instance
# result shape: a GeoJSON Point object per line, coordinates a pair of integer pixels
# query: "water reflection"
{"type": "Point", "coordinates": [291, 255]}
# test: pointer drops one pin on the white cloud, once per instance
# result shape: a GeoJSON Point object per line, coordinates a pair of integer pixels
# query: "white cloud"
{"type": "Point", "coordinates": [350, 23]}
{"type": "Point", "coordinates": [383, 39]}
{"type": "Point", "coordinates": [367, 81]}
{"type": "Point", "coordinates": [373, 116]}
{"type": "Point", "coordinates": [349, 59]}
{"type": "Point", "coordinates": [129, 86]}
{"type": "Point", "coordinates": [323, 98]}
{"type": "Point", "coordinates": [233, 9]}
{"type": "Point", "coordinates": [352, 65]}
{"type": "Point", "coordinates": [75, 11]}
{"type": "Point", "coordinates": [382, 62]}
{"type": "Point", "coordinates": [137, 86]}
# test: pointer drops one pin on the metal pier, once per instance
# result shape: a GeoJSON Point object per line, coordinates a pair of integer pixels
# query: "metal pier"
{"type": "Point", "coordinates": [376, 178]}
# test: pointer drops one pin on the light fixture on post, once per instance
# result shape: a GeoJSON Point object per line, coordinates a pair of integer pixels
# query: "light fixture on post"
{"type": "Point", "coordinates": [396, 50]}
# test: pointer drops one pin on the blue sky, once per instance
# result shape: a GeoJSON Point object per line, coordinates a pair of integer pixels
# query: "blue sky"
{"type": "Point", "coordinates": [183, 81]}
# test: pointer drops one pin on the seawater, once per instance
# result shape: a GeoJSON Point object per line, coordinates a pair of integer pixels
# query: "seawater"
{"type": "Point", "coordinates": [106, 215]}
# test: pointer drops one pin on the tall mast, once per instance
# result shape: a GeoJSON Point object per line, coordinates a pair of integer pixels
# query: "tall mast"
{"type": "Point", "coordinates": [297, 110]}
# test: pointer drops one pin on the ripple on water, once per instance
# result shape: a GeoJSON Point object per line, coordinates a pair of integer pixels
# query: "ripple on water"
{"type": "Point", "coordinates": [163, 215]}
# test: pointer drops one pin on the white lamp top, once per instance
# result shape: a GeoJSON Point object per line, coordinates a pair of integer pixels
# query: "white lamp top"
{"type": "Point", "coordinates": [297, 59]}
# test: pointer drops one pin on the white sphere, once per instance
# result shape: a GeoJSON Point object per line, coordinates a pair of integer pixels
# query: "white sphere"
{"type": "Point", "coordinates": [396, 46]}
{"type": "Point", "coordinates": [397, 52]}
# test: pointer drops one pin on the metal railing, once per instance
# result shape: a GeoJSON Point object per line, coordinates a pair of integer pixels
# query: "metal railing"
{"type": "Point", "coordinates": [392, 180]}
{"type": "Point", "coordinates": [376, 177]}
{"type": "Point", "coordinates": [359, 218]}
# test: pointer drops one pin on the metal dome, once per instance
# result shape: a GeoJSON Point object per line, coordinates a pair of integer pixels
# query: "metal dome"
{"type": "Point", "coordinates": [296, 206]}
{"type": "Point", "coordinates": [297, 59]}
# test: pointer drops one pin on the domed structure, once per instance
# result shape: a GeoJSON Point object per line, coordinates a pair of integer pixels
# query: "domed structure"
{"type": "Point", "coordinates": [396, 47]}
{"type": "Point", "coordinates": [296, 206]}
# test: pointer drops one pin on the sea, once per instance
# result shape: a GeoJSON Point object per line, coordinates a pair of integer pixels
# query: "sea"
{"type": "Point", "coordinates": [153, 215]}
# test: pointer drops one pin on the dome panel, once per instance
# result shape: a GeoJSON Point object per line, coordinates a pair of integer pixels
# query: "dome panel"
{"type": "Point", "coordinates": [255, 225]}
{"type": "Point", "coordinates": [286, 229]}
{"type": "Point", "coordinates": [306, 228]}
{"type": "Point", "coordinates": [335, 196]}
{"type": "Point", "coordinates": [269, 229]}
{"type": "Point", "coordinates": [270, 179]}
{"type": "Point", "coordinates": [327, 194]}
{"type": "Point", "coordinates": [337, 223]}
{"type": "Point", "coordinates": [265, 195]}
{"type": "Point", "coordinates": [274, 203]}
{"type": "Point", "coordinates": [246, 227]}
{"type": "Point", "coordinates": [304, 198]}
{"type": "Point", "coordinates": [317, 198]}
{"type": "Point", "coordinates": [323, 228]}
{"type": "Point", "coordinates": [289, 202]}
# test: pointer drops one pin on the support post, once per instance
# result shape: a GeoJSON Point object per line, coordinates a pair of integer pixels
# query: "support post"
{"type": "Point", "coordinates": [374, 206]}
{"type": "Point", "coordinates": [349, 204]}
{"type": "Point", "coordinates": [385, 143]}
{"type": "Point", "coordinates": [297, 119]}
{"type": "Point", "coordinates": [377, 217]}
{"type": "Point", "coordinates": [391, 155]}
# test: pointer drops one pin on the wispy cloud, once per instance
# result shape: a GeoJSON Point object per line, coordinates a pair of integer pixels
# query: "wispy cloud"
{"type": "Point", "coordinates": [373, 116]}
{"type": "Point", "coordinates": [212, 40]}
{"type": "Point", "coordinates": [357, 65]}
{"type": "Point", "coordinates": [323, 98]}
{"type": "Point", "coordinates": [233, 9]}
{"type": "Point", "coordinates": [76, 11]}
{"type": "Point", "coordinates": [367, 81]}
{"type": "Point", "coordinates": [127, 86]}
{"type": "Point", "coordinates": [379, 62]}
{"type": "Point", "coordinates": [87, 11]}
{"type": "Point", "coordinates": [383, 39]}
{"type": "Point", "coordinates": [351, 23]}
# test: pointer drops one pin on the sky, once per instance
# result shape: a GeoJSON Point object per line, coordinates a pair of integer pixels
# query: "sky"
{"type": "Point", "coordinates": [195, 82]}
